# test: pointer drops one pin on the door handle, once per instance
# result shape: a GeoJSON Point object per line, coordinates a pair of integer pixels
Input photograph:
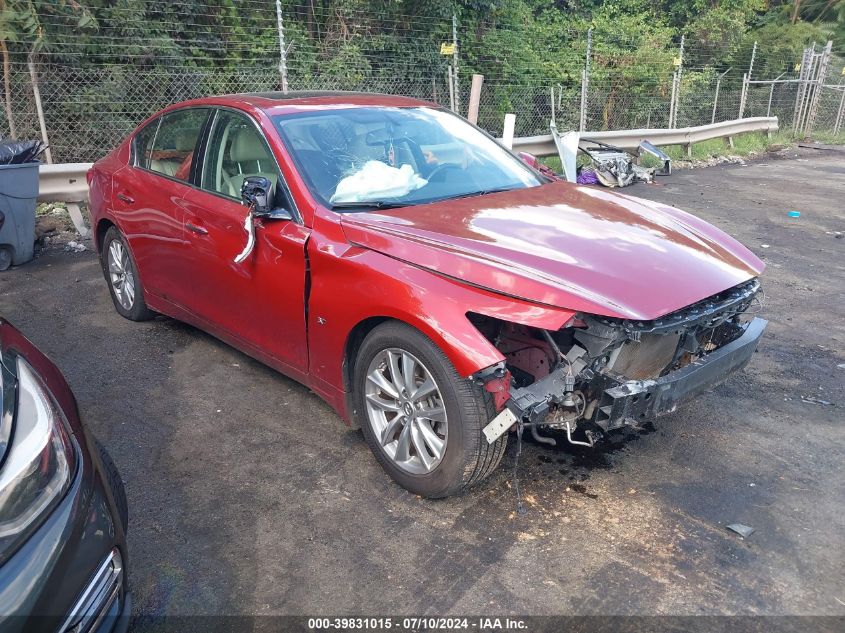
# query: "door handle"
{"type": "Point", "coordinates": [195, 229]}
{"type": "Point", "coordinates": [125, 198]}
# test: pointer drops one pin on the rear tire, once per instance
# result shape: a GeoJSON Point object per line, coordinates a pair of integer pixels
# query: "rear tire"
{"type": "Point", "coordinates": [466, 408]}
{"type": "Point", "coordinates": [121, 274]}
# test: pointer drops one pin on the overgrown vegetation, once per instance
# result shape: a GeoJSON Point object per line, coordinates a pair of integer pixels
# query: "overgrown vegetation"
{"type": "Point", "coordinates": [513, 40]}
{"type": "Point", "coordinates": [112, 62]}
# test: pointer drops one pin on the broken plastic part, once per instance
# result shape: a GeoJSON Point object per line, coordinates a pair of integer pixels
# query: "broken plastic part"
{"type": "Point", "coordinates": [249, 227]}
{"type": "Point", "coordinates": [743, 530]}
{"type": "Point", "coordinates": [567, 149]}
{"type": "Point", "coordinates": [659, 154]}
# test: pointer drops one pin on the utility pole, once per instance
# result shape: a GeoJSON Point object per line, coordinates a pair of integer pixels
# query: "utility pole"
{"type": "Point", "coordinates": [283, 53]}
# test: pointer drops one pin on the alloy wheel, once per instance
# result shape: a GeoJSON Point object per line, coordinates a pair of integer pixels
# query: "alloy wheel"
{"type": "Point", "coordinates": [120, 274]}
{"type": "Point", "coordinates": [405, 411]}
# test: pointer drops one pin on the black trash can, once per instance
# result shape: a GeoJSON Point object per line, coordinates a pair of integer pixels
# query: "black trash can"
{"type": "Point", "coordinates": [18, 193]}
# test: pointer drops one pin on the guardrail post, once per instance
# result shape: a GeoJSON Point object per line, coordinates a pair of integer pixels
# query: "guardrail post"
{"type": "Point", "coordinates": [507, 132]}
{"type": "Point", "coordinates": [474, 98]}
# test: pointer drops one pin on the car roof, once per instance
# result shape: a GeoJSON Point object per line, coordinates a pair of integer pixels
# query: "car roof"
{"type": "Point", "coordinates": [280, 102]}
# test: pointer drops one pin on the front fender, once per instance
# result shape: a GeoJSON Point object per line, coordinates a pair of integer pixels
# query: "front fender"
{"type": "Point", "coordinates": [361, 284]}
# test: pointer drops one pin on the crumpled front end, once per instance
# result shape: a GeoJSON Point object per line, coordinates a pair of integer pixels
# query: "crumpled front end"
{"type": "Point", "coordinates": [598, 374]}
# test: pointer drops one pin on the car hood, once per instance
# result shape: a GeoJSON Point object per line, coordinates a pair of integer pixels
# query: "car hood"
{"type": "Point", "coordinates": [574, 247]}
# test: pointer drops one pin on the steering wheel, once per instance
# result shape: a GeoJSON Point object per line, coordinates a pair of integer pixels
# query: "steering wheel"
{"type": "Point", "coordinates": [441, 171]}
{"type": "Point", "coordinates": [341, 162]}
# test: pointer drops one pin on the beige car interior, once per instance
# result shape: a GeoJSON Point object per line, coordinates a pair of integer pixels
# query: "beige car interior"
{"type": "Point", "coordinates": [240, 152]}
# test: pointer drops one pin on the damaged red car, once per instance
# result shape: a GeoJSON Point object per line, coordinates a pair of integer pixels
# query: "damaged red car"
{"type": "Point", "coordinates": [430, 286]}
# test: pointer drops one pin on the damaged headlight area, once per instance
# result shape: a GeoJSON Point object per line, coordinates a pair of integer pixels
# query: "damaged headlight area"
{"type": "Point", "coordinates": [598, 374]}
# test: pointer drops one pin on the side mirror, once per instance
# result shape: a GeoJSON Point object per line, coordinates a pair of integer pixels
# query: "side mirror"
{"type": "Point", "coordinates": [256, 193]}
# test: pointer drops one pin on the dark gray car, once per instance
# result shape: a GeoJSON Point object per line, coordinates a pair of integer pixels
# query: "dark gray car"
{"type": "Point", "coordinates": [63, 513]}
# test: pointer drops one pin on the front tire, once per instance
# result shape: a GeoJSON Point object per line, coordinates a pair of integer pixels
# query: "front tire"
{"type": "Point", "coordinates": [121, 274]}
{"type": "Point", "coordinates": [421, 419]}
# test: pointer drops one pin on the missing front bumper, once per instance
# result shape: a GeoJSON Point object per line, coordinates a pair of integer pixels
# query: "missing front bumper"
{"type": "Point", "coordinates": [633, 401]}
{"type": "Point", "coordinates": [624, 402]}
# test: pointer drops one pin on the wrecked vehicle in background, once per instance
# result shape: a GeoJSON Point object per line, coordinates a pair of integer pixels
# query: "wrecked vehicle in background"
{"type": "Point", "coordinates": [610, 166]}
{"type": "Point", "coordinates": [431, 287]}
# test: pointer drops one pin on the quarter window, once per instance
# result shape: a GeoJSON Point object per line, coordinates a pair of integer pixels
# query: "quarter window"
{"type": "Point", "coordinates": [167, 147]}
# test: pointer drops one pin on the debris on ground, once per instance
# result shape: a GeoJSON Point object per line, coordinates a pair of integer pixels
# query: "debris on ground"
{"type": "Point", "coordinates": [55, 227]}
{"type": "Point", "coordinates": [611, 166]}
{"type": "Point", "coordinates": [713, 161]}
{"type": "Point", "coordinates": [823, 146]}
{"type": "Point", "coordinates": [743, 530]}
{"type": "Point", "coordinates": [794, 214]}
{"type": "Point", "coordinates": [587, 177]}
{"type": "Point", "coordinates": [812, 400]}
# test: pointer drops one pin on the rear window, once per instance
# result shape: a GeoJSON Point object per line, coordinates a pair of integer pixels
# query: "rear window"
{"type": "Point", "coordinates": [166, 145]}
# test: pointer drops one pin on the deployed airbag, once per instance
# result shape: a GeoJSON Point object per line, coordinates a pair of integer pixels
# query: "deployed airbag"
{"type": "Point", "coordinates": [377, 181]}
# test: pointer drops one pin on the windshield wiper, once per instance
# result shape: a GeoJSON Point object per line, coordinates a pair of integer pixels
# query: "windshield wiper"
{"type": "Point", "coordinates": [369, 204]}
{"type": "Point", "coordinates": [483, 192]}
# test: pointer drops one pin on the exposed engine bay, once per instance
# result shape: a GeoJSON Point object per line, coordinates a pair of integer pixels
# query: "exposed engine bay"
{"type": "Point", "coordinates": [598, 374]}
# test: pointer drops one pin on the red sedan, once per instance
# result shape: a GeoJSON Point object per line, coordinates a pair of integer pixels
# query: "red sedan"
{"type": "Point", "coordinates": [431, 287]}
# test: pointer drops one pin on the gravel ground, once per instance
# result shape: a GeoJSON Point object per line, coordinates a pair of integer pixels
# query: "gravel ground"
{"type": "Point", "coordinates": [247, 494]}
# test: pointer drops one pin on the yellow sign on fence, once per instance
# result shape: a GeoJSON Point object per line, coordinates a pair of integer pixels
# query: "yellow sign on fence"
{"type": "Point", "coordinates": [447, 48]}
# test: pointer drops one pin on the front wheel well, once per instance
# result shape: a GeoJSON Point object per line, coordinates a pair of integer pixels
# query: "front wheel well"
{"type": "Point", "coordinates": [353, 344]}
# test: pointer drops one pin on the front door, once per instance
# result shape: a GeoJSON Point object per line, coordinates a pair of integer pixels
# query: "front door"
{"type": "Point", "coordinates": [261, 300]}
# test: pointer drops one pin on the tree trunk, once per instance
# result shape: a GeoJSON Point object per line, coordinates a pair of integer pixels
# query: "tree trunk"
{"type": "Point", "coordinates": [7, 82]}
{"type": "Point", "coordinates": [796, 12]}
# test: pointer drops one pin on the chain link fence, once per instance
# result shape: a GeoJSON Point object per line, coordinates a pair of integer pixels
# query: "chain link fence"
{"type": "Point", "coordinates": [595, 81]}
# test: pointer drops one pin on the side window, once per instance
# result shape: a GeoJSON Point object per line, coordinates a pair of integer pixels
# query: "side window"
{"type": "Point", "coordinates": [171, 148]}
{"type": "Point", "coordinates": [236, 149]}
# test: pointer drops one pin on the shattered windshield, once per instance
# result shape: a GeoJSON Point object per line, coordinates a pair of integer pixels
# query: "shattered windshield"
{"type": "Point", "coordinates": [381, 157]}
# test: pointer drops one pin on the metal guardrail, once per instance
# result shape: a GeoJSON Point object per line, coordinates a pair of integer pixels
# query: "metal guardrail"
{"type": "Point", "coordinates": [66, 182]}
{"type": "Point", "coordinates": [630, 139]}
{"type": "Point", "coordinates": [63, 183]}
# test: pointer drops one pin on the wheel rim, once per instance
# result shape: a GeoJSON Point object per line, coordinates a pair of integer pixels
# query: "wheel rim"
{"type": "Point", "coordinates": [121, 275]}
{"type": "Point", "coordinates": [405, 411]}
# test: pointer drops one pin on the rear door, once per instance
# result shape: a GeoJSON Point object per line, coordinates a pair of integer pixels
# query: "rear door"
{"type": "Point", "coordinates": [146, 198]}
{"type": "Point", "coordinates": [261, 300]}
